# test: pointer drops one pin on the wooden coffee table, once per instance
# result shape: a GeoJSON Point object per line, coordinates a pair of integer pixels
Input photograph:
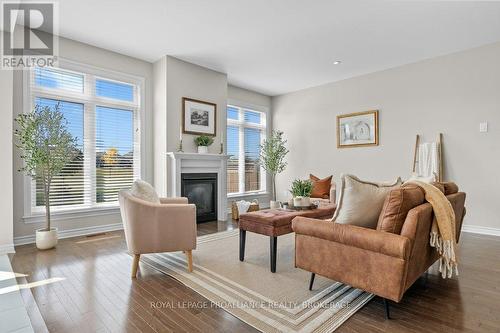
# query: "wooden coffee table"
{"type": "Point", "coordinates": [274, 223]}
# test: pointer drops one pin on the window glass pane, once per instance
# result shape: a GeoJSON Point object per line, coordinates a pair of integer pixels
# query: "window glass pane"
{"type": "Point", "coordinates": [233, 113]}
{"type": "Point", "coordinates": [114, 152]}
{"type": "Point", "coordinates": [252, 151]}
{"type": "Point", "coordinates": [252, 117]}
{"type": "Point", "coordinates": [68, 187]}
{"type": "Point", "coordinates": [233, 145]}
{"type": "Point", "coordinates": [114, 90]}
{"type": "Point", "coordinates": [58, 79]}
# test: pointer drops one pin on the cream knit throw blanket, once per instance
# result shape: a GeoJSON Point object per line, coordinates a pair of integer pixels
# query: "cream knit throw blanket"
{"type": "Point", "coordinates": [443, 229]}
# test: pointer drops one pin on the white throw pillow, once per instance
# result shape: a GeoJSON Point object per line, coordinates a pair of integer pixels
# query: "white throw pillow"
{"type": "Point", "coordinates": [360, 202]}
{"type": "Point", "coordinates": [144, 191]}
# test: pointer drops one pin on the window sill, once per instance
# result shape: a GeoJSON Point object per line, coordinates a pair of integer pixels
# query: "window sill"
{"type": "Point", "coordinates": [248, 194]}
{"type": "Point", "coordinates": [72, 214]}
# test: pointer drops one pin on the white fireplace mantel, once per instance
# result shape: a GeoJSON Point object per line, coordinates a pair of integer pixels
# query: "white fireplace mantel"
{"type": "Point", "coordinates": [180, 163]}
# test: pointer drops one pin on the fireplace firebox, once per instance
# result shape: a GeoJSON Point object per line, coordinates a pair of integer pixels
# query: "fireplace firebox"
{"type": "Point", "coordinates": [201, 190]}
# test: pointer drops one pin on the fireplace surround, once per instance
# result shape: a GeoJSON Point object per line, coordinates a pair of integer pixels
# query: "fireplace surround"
{"type": "Point", "coordinates": [180, 163]}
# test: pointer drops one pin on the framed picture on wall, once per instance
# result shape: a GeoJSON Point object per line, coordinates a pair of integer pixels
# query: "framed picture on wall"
{"type": "Point", "coordinates": [357, 129]}
{"type": "Point", "coordinates": [198, 117]}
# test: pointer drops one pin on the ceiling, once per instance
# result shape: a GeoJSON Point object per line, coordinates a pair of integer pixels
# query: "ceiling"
{"type": "Point", "coordinates": [279, 46]}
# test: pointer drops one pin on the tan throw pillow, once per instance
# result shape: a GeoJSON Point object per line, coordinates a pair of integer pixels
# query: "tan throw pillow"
{"type": "Point", "coordinates": [321, 187]}
{"type": "Point", "coordinates": [360, 202]}
{"type": "Point", "coordinates": [144, 191]}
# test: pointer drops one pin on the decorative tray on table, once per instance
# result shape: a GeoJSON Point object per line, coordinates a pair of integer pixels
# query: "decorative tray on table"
{"type": "Point", "coordinates": [292, 207]}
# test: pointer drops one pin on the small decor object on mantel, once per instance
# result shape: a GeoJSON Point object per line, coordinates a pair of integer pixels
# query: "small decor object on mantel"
{"type": "Point", "coordinates": [301, 192]}
{"type": "Point", "coordinates": [357, 129]}
{"type": "Point", "coordinates": [199, 117]}
{"type": "Point", "coordinates": [203, 142]}
{"type": "Point", "coordinates": [47, 147]}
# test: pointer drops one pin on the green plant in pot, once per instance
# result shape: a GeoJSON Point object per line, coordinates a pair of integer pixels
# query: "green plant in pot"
{"type": "Point", "coordinates": [203, 141]}
{"type": "Point", "coordinates": [273, 152]}
{"type": "Point", "coordinates": [46, 147]}
{"type": "Point", "coordinates": [301, 192]}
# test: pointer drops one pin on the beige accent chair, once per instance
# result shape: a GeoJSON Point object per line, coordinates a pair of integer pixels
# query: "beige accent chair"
{"type": "Point", "coordinates": [154, 228]}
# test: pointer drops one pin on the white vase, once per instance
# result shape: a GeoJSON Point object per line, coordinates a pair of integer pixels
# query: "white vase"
{"type": "Point", "coordinates": [46, 239]}
{"type": "Point", "coordinates": [306, 201]}
{"type": "Point", "coordinates": [297, 201]}
{"type": "Point", "coordinates": [202, 149]}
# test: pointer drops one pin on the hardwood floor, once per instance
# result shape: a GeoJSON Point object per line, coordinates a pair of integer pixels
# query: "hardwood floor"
{"type": "Point", "coordinates": [96, 293]}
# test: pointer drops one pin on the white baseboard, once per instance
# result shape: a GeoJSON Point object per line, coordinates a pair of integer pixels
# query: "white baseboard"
{"type": "Point", "coordinates": [72, 233]}
{"type": "Point", "coordinates": [8, 248]}
{"type": "Point", "coordinates": [475, 229]}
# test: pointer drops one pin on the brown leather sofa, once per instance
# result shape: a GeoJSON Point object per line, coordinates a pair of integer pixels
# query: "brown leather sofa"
{"type": "Point", "coordinates": [385, 261]}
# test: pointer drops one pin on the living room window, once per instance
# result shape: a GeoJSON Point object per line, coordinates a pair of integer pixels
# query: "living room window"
{"type": "Point", "coordinates": [246, 129]}
{"type": "Point", "coordinates": [102, 110]}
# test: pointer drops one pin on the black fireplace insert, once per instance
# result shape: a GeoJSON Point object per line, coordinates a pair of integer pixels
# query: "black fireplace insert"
{"type": "Point", "coordinates": [201, 190]}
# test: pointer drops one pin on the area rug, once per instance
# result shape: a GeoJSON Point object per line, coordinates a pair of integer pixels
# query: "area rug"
{"type": "Point", "coordinates": [279, 302]}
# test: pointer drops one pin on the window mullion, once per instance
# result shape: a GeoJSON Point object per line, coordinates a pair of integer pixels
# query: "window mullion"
{"type": "Point", "coordinates": [241, 156]}
{"type": "Point", "coordinates": [89, 144]}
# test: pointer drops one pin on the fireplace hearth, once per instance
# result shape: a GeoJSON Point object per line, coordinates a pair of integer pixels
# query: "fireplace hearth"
{"type": "Point", "coordinates": [201, 190]}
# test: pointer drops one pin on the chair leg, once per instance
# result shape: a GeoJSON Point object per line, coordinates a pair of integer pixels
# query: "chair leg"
{"type": "Point", "coordinates": [311, 282]}
{"type": "Point", "coordinates": [386, 305]}
{"type": "Point", "coordinates": [189, 255]}
{"type": "Point", "coordinates": [135, 265]}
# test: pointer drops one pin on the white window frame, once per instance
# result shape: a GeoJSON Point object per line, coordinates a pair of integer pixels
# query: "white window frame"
{"type": "Point", "coordinates": [33, 214]}
{"type": "Point", "coordinates": [241, 124]}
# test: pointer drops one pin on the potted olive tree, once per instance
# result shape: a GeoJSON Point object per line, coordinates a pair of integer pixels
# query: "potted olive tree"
{"type": "Point", "coordinates": [46, 147]}
{"type": "Point", "coordinates": [203, 142]}
{"type": "Point", "coordinates": [301, 192]}
{"type": "Point", "coordinates": [272, 159]}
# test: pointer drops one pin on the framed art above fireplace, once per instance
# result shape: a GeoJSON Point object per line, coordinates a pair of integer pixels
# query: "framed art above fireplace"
{"type": "Point", "coordinates": [199, 117]}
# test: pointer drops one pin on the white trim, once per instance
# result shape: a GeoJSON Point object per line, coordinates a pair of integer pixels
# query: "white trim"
{"type": "Point", "coordinates": [72, 214]}
{"type": "Point", "coordinates": [138, 107]}
{"type": "Point", "coordinates": [22, 240]}
{"type": "Point", "coordinates": [241, 124]}
{"type": "Point", "coordinates": [476, 229]}
{"type": "Point", "coordinates": [7, 248]}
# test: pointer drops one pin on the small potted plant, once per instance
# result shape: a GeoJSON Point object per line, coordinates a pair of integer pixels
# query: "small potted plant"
{"type": "Point", "coordinates": [301, 192]}
{"type": "Point", "coordinates": [47, 147]}
{"type": "Point", "coordinates": [203, 141]}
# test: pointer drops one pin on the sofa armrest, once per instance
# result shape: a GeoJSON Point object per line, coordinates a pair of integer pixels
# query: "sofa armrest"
{"type": "Point", "coordinates": [368, 239]}
{"type": "Point", "coordinates": [176, 200]}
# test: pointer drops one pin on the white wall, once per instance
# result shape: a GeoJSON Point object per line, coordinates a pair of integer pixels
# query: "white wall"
{"type": "Point", "coordinates": [175, 79]}
{"type": "Point", "coordinates": [6, 204]}
{"type": "Point", "coordinates": [90, 55]}
{"type": "Point", "coordinates": [450, 94]}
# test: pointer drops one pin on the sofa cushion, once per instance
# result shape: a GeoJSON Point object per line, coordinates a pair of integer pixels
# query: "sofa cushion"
{"type": "Point", "coordinates": [450, 188]}
{"type": "Point", "coordinates": [396, 206]}
{"type": "Point", "coordinates": [144, 191]}
{"type": "Point", "coordinates": [360, 202]}
{"type": "Point", "coordinates": [321, 187]}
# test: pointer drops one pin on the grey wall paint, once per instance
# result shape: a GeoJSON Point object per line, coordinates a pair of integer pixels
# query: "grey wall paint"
{"type": "Point", "coordinates": [90, 55]}
{"type": "Point", "coordinates": [6, 182]}
{"type": "Point", "coordinates": [450, 94]}
{"type": "Point", "coordinates": [249, 97]}
{"type": "Point", "coordinates": [175, 79]}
